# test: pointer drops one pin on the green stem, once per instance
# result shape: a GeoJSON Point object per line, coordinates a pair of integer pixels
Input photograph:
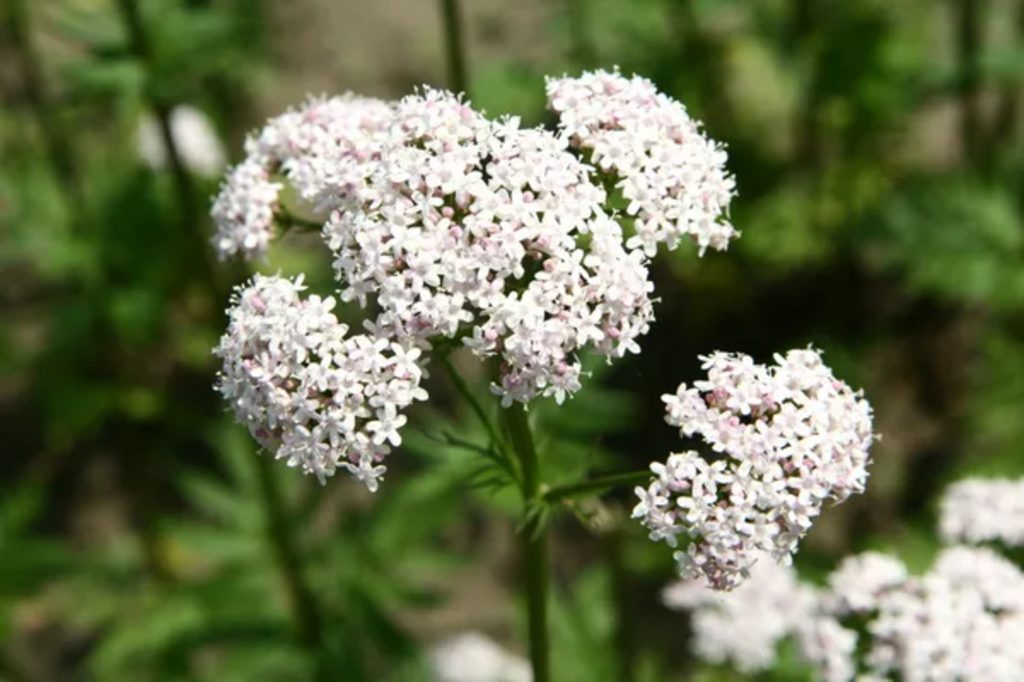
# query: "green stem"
{"type": "Point", "coordinates": [624, 635]}
{"type": "Point", "coordinates": [968, 23]}
{"type": "Point", "coordinates": [289, 221]}
{"type": "Point", "coordinates": [58, 144]}
{"type": "Point", "coordinates": [142, 48]}
{"type": "Point", "coordinates": [307, 618]}
{"type": "Point", "coordinates": [534, 541]}
{"type": "Point", "coordinates": [597, 484]}
{"type": "Point", "coordinates": [455, 53]}
{"type": "Point", "coordinates": [581, 48]}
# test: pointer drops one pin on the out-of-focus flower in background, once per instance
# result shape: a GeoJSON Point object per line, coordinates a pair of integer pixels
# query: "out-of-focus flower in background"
{"type": "Point", "coordinates": [474, 657]}
{"type": "Point", "coordinates": [194, 137]}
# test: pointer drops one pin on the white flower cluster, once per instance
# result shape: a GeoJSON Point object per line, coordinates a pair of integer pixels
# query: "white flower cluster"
{"type": "Point", "coordinates": [474, 657]}
{"type": "Point", "coordinates": [672, 175]}
{"type": "Point", "coordinates": [961, 620]}
{"type": "Point", "coordinates": [791, 437]}
{"type": "Point", "coordinates": [305, 389]}
{"type": "Point", "coordinates": [494, 233]}
{"type": "Point", "coordinates": [450, 225]}
{"type": "Point", "coordinates": [317, 147]}
{"type": "Point", "coordinates": [984, 510]}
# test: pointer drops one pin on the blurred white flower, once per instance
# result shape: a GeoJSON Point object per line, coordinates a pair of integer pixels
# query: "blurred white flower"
{"type": "Point", "coordinates": [791, 437]}
{"type": "Point", "coordinates": [962, 620]}
{"type": "Point", "coordinates": [473, 657]}
{"type": "Point", "coordinates": [979, 510]}
{"type": "Point", "coordinates": [743, 627]}
{"type": "Point", "coordinates": [859, 581]}
{"type": "Point", "coordinates": [194, 137]}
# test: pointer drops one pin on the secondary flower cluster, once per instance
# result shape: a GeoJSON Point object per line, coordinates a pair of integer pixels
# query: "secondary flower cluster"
{"type": "Point", "coordinates": [789, 438]}
{"type": "Point", "coordinates": [961, 620]}
{"type": "Point", "coordinates": [984, 510]}
{"type": "Point", "coordinates": [672, 176]}
{"type": "Point", "coordinates": [451, 225]}
{"type": "Point", "coordinates": [320, 398]}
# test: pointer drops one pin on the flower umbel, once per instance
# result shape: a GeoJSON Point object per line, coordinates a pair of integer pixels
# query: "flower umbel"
{"type": "Point", "coordinates": [789, 436]}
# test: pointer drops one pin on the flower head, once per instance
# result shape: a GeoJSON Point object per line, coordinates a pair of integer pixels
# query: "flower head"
{"type": "Point", "coordinates": [493, 233]}
{"type": "Point", "coordinates": [320, 148]}
{"type": "Point", "coordinates": [789, 438]}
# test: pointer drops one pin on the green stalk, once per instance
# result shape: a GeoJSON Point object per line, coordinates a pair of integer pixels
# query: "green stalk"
{"type": "Point", "coordinates": [534, 541]}
{"type": "Point", "coordinates": [455, 53]}
{"type": "Point", "coordinates": [307, 618]}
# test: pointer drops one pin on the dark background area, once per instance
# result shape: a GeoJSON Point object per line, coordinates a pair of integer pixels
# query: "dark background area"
{"type": "Point", "coordinates": [877, 150]}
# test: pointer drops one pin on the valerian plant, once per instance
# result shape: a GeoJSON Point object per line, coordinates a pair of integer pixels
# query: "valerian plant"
{"type": "Point", "coordinates": [529, 247]}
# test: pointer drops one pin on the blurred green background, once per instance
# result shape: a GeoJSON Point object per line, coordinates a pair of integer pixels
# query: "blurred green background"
{"type": "Point", "coordinates": [878, 151]}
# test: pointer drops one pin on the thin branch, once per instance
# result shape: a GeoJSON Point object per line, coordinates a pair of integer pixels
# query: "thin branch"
{"type": "Point", "coordinates": [492, 432]}
{"type": "Point", "coordinates": [594, 485]}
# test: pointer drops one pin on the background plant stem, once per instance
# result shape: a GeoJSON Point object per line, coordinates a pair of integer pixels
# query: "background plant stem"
{"type": "Point", "coordinates": [58, 145]}
{"type": "Point", "coordinates": [535, 556]}
{"type": "Point", "coordinates": [455, 53]}
{"type": "Point", "coordinates": [142, 48]}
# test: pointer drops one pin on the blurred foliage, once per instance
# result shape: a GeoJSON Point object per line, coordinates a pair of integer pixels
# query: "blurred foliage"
{"type": "Point", "coordinates": [877, 148]}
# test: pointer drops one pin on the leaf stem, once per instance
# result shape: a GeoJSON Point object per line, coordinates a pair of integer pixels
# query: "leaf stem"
{"type": "Point", "coordinates": [141, 46]}
{"type": "Point", "coordinates": [492, 431]}
{"type": "Point", "coordinates": [58, 144]}
{"type": "Point", "coordinates": [535, 553]}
